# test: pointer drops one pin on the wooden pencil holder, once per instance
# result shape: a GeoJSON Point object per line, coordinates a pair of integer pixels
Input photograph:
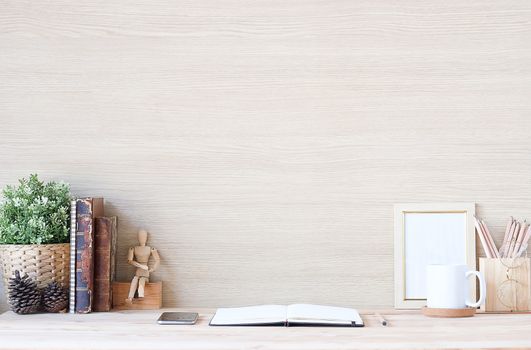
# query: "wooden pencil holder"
{"type": "Point", "coordinates": [152, 297]}
{"type": "Point", "coordinates": [507, 282]}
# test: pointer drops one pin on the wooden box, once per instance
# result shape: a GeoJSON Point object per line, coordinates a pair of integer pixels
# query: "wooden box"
{"type": "Point", "coordinates": [152, 297]}
{"type": "Point", "coordinates": [507, 282]}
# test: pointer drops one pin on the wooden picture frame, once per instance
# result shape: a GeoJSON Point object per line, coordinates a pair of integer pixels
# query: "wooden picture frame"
{"type": "Point", "coordinates": [430, 233]}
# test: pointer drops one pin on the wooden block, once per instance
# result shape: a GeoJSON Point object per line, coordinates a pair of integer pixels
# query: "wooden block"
{"type": "Point", "coordinates": [507, 284]}
{"type": "Point", "coordinates": [152, 297]}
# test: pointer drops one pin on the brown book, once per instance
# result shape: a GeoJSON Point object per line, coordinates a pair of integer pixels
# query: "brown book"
{"type": "Point", "coordinates": [104, 249]}
{"type": "Point", "coordinates": [86, 210]}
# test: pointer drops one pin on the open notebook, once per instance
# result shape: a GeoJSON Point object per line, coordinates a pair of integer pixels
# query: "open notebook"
{"type": "Point", "coordinates": [290, 315]}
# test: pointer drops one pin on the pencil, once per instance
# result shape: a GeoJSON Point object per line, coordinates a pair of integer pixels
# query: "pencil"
{"type": "Point", "coordinates": [519, 239]}
{"type": "Point", "coordinates": [506, 236]}
{"type": "Point", "coordinates": [523, 246]}
{"type": "Point", "coordinates": [507, 241]}
{"type": "Point", "coordinates": [482, 238]}
{"type": "Point", "coordinates": [489, 239]}
{"type": "Point", "coordinates": [513, 240]}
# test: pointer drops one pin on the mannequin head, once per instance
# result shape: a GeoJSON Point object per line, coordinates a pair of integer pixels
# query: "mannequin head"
{"type": "Point", "coordinates": [142, 237]}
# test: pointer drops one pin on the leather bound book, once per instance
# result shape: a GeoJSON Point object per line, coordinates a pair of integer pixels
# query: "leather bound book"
{"type": "Point", "coordinates": [104, 237]}
{"type": "Point", "coordinates": [86, 210]}
{"type": "Point", "coordinates": [114, 237]}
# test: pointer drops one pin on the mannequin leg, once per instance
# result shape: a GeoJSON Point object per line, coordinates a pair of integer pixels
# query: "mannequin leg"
{"type": "Point", "coordinates": [141, 287]}
{"type": "Point", "coordinates": [132, 289]}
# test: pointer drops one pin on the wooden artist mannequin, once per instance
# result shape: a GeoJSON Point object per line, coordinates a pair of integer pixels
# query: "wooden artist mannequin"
{"type": "Point", "coordinates": [139, 256]}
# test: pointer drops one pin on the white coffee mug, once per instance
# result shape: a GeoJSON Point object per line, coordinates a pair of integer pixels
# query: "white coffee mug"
{"type": "Point", "coordinates": [448, 287]}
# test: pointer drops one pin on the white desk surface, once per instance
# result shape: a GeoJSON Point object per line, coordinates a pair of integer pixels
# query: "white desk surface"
{"type": "Point", "coordinates": [130, 330]}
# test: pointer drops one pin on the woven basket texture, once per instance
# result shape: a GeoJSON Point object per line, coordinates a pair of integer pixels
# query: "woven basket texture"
{"type": "Point", "coordinates": [44, 263]}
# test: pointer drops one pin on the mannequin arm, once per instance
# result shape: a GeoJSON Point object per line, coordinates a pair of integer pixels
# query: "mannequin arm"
{"type": "Point", "coordinates": [130, 257]}
{"type": "Point", "coordinates": [156, 256]}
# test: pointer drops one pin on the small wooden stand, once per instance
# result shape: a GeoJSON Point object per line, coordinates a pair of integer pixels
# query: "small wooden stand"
{"type": "Point", "coordinates": [431, 312]}
{"type": "Point", "coordinates": [507, 282]}
{"type": "Point", "coordinates": [152, 297]}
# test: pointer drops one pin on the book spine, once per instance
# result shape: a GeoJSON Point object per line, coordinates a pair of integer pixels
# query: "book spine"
{"type": "Point", "coordinates": [84, 255]}
{"type": "Point", "coordinates": [114, 237]}
{"type": "Point", "coordinates": [102, 264]}
{"type": "Point", "coordinates": [72, 290]}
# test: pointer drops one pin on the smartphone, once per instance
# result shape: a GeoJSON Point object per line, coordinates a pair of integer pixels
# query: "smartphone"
{"type": "Point", "coordinates": [178, 318]}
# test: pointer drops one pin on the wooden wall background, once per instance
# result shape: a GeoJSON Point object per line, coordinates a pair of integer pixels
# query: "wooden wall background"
{"type": "Point", "coordinates": [263, 143]}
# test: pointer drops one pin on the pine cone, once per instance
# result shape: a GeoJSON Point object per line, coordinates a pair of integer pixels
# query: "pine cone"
{"type": "Point", "coordinates": [24, 297]}
{"type": "Point", "coordinates": [55, 298]}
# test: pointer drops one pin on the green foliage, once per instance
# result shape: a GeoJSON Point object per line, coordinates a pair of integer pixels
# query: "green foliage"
{"type": "Point", "coordinates": [35, 213]}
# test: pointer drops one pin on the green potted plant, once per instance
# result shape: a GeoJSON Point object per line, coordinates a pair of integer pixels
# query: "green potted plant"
{"type": "Point", "coordinates": [34, 235]}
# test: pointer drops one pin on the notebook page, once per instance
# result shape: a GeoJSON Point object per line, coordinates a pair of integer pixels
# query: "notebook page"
{"type": "Point", "coordinates": [249, 315]}
{"type": "Point", "coordinates": [308, 313]}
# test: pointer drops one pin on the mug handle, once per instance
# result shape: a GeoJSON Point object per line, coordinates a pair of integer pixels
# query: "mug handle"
{"type": "Point", "coordinates": [482, 289]}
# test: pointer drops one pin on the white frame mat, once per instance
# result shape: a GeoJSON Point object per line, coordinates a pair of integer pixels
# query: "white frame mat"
{"type": "Point", "coordinates": [432, 233]}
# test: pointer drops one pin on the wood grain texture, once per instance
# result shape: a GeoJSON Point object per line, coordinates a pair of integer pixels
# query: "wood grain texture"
{"type": "Point", "coordinates": [507, 284]}
{"type": "Point", "coordinates": [131, 330]}
{"type": "Point", "coordinates": [152, 297]}
{"type": "Point", "coordinates": [264, 143]}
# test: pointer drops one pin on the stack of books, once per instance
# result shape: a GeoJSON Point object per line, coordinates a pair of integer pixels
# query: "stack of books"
{"type": "Point", "coordinates": [92, 256]}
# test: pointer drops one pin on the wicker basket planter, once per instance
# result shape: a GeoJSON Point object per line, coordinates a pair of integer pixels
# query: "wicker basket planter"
{"type": "Point", "coordinates": [44, 263]}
